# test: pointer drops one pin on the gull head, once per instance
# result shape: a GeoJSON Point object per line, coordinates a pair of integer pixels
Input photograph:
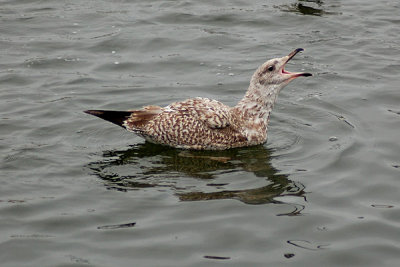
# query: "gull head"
{"type": "Point", "coordinates": [273, 72]}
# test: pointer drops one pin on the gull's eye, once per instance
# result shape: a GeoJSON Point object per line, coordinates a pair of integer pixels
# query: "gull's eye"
{"type": "Point", "coordinates": [271, 68]}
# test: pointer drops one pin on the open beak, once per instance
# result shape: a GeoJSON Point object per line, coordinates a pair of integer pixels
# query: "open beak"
{"type": "Point", "coordinates": [293, 74]}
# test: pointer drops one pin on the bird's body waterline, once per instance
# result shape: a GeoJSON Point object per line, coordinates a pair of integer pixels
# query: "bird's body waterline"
{"type": "Point", "coordinates": [205, 124]}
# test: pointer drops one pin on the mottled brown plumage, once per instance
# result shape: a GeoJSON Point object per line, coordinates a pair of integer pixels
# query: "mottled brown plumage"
{"type": "Point", "coordinates": [202, 123]}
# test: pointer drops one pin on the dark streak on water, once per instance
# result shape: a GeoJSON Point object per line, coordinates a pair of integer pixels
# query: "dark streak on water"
{"type": "Point", "coordinates": [116, 226]}
{"type": "Point", "coordinates": [217, 257]}
{"type": "Point", "coordinates": [76, 191]}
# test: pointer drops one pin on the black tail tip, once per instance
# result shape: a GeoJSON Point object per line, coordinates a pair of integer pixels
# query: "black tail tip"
{"type": "Point", "coordinates": [116, 117]}
{"type": "Point", "coordinates": [94, 112]}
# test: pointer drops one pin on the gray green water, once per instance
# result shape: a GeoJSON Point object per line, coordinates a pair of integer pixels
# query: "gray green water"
{"type": "Point", "coordinates": [77, 191]}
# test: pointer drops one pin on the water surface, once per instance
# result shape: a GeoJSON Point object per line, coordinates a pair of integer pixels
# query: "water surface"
{"type": "Point", "coordinates": [77, 191]}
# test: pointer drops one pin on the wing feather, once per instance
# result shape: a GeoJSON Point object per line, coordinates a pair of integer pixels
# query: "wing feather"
{"type": "Point", "coordinates": [213, 113]}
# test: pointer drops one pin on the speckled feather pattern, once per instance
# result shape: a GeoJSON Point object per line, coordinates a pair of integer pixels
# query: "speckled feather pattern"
{"type": "Point", "coordinates": [205, 124]}
{"type": "Point", "coordinates": [198, 123]}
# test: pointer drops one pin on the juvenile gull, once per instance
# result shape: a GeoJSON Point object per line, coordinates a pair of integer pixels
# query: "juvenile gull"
{"type": "Point", "coordinates": [206, 124]}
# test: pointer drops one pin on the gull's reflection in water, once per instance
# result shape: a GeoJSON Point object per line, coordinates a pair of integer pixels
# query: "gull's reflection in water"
{"type": "Point", "coordinates": [197, 175]}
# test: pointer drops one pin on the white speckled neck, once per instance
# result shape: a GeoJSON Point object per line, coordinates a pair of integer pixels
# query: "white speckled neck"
{"type": "Point", "coordinates": [259, 100]}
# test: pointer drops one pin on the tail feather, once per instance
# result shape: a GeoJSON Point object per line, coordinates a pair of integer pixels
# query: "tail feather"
{"type": "Point", "coordinates": [116, 117]}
